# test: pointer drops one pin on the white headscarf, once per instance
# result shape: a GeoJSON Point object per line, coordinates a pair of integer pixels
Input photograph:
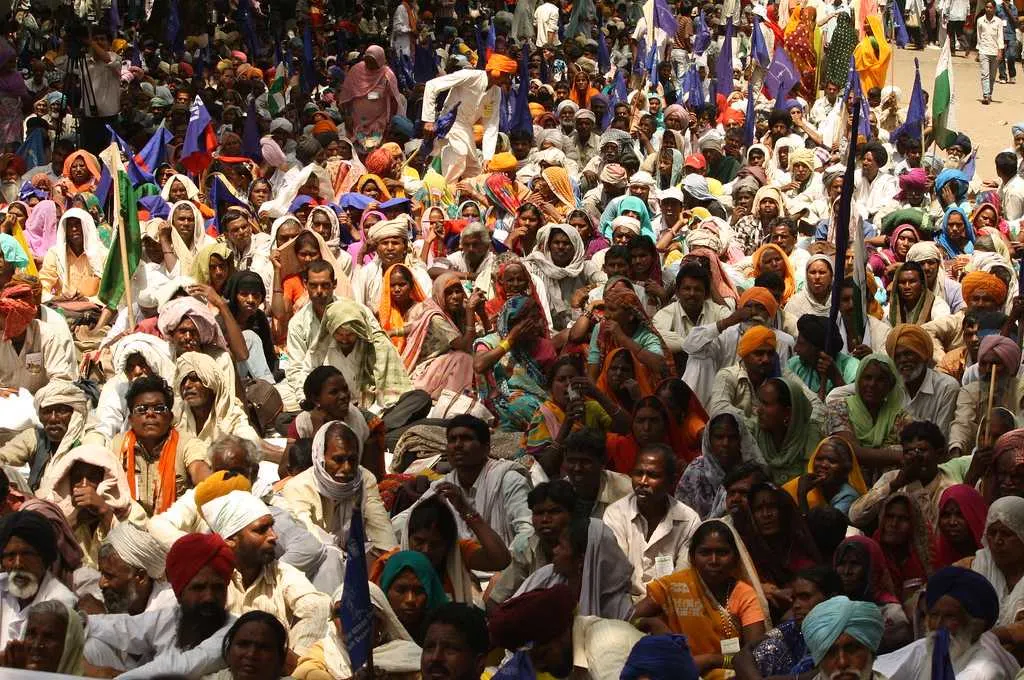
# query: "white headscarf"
{"type": "Point", "coordinates": [347, 493]}
{"type": "Point", "coordinates": [398, 655]}
{"type": "Point", "coordinates": [225, 415]}
{"type": "Point", "coordinates": [93, 247]}
{"type": "Point", "coordinates": [186, 256]}
{"type": "Point", "coordinates": [540, 259]}
{"type": "Point", "coordinates": [55, 485]}
{"type": "Point", "coordinates": [232, 512]}
{"type": "Point", "coordinates": [156, 353]}
{"type": "Point", "coordinates": [1009, 511]}
{"type": "Point", "coordinates": [191, 190]}
{"type": "Point", "coordinates": [138, 548]}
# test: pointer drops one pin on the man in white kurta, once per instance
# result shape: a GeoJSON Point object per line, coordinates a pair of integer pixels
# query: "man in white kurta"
{"type": "Point", "coordinates": [478, 96]}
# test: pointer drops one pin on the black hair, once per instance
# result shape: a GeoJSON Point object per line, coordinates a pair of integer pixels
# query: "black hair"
{"type": "Point", "coordinates": [430, 513]}
{"type": "Point", "coordinates": [694, 269]}
{"type": "Point", "coordinates": [558, 491]}
{"type": "Point", "coordinates": [589, 442]}
{"type": "Point", "coordinates": [146, 384]}
{"type": "Point", "coordinates": [877, 152]}
{"type": "Point", "coordinates": [744, 470]}
{"type": "Point", "coordinates": [708, 528]}
{"type": "Point", "coordinates": [620, 252]}
{"type": "Point", "coordinates": [780, 116]}
{"type": "Point", "coordinates": [579, 534]}
{"type": "Point", "coordinates": [824, 577]}
{"type": "Point", "coordinates": [923, 430]}
{"type": "Point", "coordinates": [521, 136]}
{"type": "Point", "coordinates": [1006, 163]}
{"type": "Point", "coordinates": [300, 454]}
{"type": "Point", "coordinates": [573, 360]}
{"type": "Point", "coordinates": [468, 620]}
{"type": "Point", "coordinates": [317, 266]}
{"type": "Point", "coordinates": [5, 486]}
{"type": "Point", "coordinates": [231, 214]}
{"type": "Point", "coordinates": [478, 427]}
{"type": "Point", "coordinates": [770, 280]}
{"type": "Point", "coordinates": [314, 382]}
{"type": "Point", "coordinates": [530, 207]}
{"type": "Point", "coordinates": [989, 320]}
{"type": "Point", "coordinates": [915, 267]}
{"type": "Point", "coordinates": [787, 222]}
{"type": "Point", "coordinates": [279, 633]}
{"type": "Point", "coordinates": [668, 457]}
{"type": "Point", "coordinates": [641, 243]}
{"type": "Point", "coordinates": [828, 526]}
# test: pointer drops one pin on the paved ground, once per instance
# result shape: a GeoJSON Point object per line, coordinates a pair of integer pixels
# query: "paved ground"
{"type": "Point", "coordinates": [987, 126]}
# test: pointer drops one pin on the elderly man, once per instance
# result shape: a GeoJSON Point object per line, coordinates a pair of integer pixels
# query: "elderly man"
{"type": "Point", "coordinates": [391, 246]}
{"type": "Point", "coordinates": [472, 260]}
{"type": "Point", "coordinates": [183, 639]}
{"type": "Point", "coordinates": [583, 144]}
{"type": "Point", "coordinates": [843, 637]}
{"type": "Point", "coordinates": [28, 548]}
{"type": "Point", "coordinates": [931, 395]}
{"type": "Point", "coordinates": [62, 408]}
{"type": "Point", "coordinates": [209, 407]}
{"type": "Point", "coordinates": [650, 525]}
{"type": "Point", "coordinates": [189, 326]}
{"type": "Point", "coordinates": [260, 580]}
{"type": "Point", "coordinates": [998, 359]}
{"type": "Point", "coordinates": [477, 95]}
{"type": "Point", "coordinates": [982, 292]}
{"type": "Point", "coordinates": [962, 608]}
{"type": "Point", "coordinates": [132, 574]}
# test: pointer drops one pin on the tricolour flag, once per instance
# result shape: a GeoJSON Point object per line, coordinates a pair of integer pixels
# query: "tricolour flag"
{"type": "Point", "coordinates": [944, 100]}
{"type": "Point", "coordinates": [277, 93]}
{"type": "Point", "coordinates": [126, 216]}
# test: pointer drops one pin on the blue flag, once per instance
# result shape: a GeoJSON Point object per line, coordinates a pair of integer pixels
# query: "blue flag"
{"type": "Point", "coordinates": [135, 173]}
{"type": "Point", "coordinates": [759, 49]}
{"type": "Point", "coordinates": [425, 66]}
{"type": "Point", "coordinates": [915, 112]}
{"type": "Point", "coordinates": [441, 128]}
{"type": "Point", "coordinates": [854, 86]}
{"type": "Point", "coordinates": [604, 61]}
{"type": "Point", "coordinates": [33, 150]}
{"type": "Point", "coordinates": [641, 55]}
{"type": "Point", "coordinates": [749, 127]}
{"type": "Point", "coordinates": [251, 134]}
{"type": "Point", "coordinates": [154, 154]}
{"type": "Point", "coordinates": [308, 72]}
{"type": "Point", "coordinates": [723, 65]}
{"type": "Point", "coordinates": [200, 140]}
{"type": "Point", "coordinates": [693, 88]}
{"type": "Point", "coordinates": [174, 32]}
{"type": "Point", "coordinates": [492, 40]}
{"type": "Point", "coordinates": [969, 166]}
{"type": "Point", "coordinates": [222, 197]}
{"type": "Point", "coordinates": [651, 65]}
{"type": "Point", "coordinates": [701, 36]}
{"type": "Point", "coordinates": [665, 19]}
{"type": "Point", "coordinates": [243, 16]}
{"type": "Point", "coordinates": [115, 17]}
{"type": "Point", "coordinates": [354, 610]}
{"type": "Point", "coordinates": [136, 57]}
{"type": "Point", "coordinates": [105, 183]}
{"type": "Point", "coordinates": [899, 26]}
{"type": "Point", "coordinates": [781, 76]}
{"type": "Point", "coordinates": [156, 206]}
{"type": "Point", "coordinates": [521, 118]}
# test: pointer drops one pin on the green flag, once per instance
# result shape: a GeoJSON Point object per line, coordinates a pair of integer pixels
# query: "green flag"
{"type": "Point", "coordinates": [277, 93]}
{"type": "Point", "coordinates": [126, 212]}
{"type": "Point", "coordinates": [943, 100]}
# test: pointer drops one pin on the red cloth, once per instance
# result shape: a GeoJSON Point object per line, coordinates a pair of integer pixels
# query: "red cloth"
{"type": "Point", "coordinates": [379, 162]}
{"type": "Point", "coordinates": [973, 508]}
{"type": "Point", "coordinates": [191, 553]}
{"type": "Point", "coordinates": [17, 309]}
{"type": "Point", "coordinates": [538, 616]}
{"type": "Point", "coordinates": [361, 80]}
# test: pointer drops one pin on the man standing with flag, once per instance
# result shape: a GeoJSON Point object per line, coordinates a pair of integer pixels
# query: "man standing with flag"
{"type": "Point", "coordinates": [478, 95]}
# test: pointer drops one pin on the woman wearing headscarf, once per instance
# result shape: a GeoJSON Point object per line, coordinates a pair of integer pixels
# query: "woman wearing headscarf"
{"type": "Point", "coordinates": [400, 293]}
{"type": "Point", "coordinates": [182, 235]}
{"type": "Point", "coordinates": [81, 172]}
{"type": "Point", "coordinates": [394, 651]}
{"type": "Point", "coordinates": [803, 42]}
{"type": "Point", "coordinates": [833, 478]}
{"type": "Point", "coordinates": [772, 258]}
{"type": "Point", "coordinates": [134, 355]}
{"type": "Point", "coordinates": [509, 277]}
{"type": "Point", "coordinates": [627, 325]}
{"type": "Point", "coordinates": [324, 496]}
{"type": "Point", "coordinates": [783, 428]}
{"type": "Point", "coordinates": [910, 299]}
{"type": "Point", "coordinates": [440, 336]}
{"type": "Point", "coordinates": [751, 230]}
{"type": "Point", "coordinates": [323, 220]}
{"type": "Point", "coordinates": [40, 618]}
{"type": "Point", "coordinates": [289, 263]}
{"type": "Point", "coordinates": [957, 234]}
{"type": "Point", "coordinates": [558, 261]}
{"type": "Point", "coordinates": [246, 296]}
{"type": "Point", "coordinates": [996, 353]}
{"type": "Point", "coordinates": [403, 569]}
{"type": "Point", "coordinates": [1003, 552]}
{"type": "Point", "coordinates": [872, 55]}
{"type": "Point", "coordinates": [557, 193]}
{"type": "Point", "coordinates": [907, 543]}
{"type": "Point", "coordinates": [962, 513]}
{"type": "Point", "coordinates": [41, 228]}
{"type": "Point", "coordinates": [213, 265]}
{"type": "Point", "coordinates": [209, 408]}
{"type": "Point", "coordinates": [371, 89]}
{"type": "Point", "coordinates": [72, 268]}
{"type": "Point", "coordinates": [594, 567]}
{"type": "Point", "coordinates": [885, 261]}
{"type": "Point", "coordinates": [190, 326]}
{"type": "Point", "coordinates": [631, 206]}
{"type": "Point", "coordinates": [816, 296]}
{"type": "Point", "coordinates": [860, 563]}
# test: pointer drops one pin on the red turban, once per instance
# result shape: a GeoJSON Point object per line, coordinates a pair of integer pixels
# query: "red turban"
{"type": "Point", "coordinates": [191, 553]}
{"type": "Point", "coordinates": [731, 115]}
{"type": "Point", "coordinates": [379, 162]}
{"type": "Point", "coordinates": [537, 616]}
{"type": "Point", "coordinates": [17, 309]}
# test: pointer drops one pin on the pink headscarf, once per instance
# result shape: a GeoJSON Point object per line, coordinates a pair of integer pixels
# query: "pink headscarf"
{"type": "Point", "coordinates": [361, 79]}
{"type": "Point", "coordinates": [41, 227]}
{"type": "Point", "coordinates": [1005, 349]}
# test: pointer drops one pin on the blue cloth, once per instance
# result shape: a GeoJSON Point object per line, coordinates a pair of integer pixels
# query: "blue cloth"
{"type": "Point", "coordinates": [783, 651]}
{"type": "Point", "coordinates": [13, 252]}
{"type": "Point", "coordinates": [942, 240]}
{"type": "Point", "coordinates": [660, 657]}
{"type": "Point", "coordinates": [951, 175]}
{"type": "Point", "coordinates": [833, 617]}
{"type": "Point", "coordinates": [969, 588]}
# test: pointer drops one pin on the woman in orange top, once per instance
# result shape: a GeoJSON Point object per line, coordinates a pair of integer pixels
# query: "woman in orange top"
{"type": "Point", "coordinates": [400, 293]}
{"type": "Point", "coordinates": [582, 91]}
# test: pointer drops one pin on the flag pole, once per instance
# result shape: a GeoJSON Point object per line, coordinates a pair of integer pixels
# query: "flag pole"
{"type": "Point", "coordinates": [123, 247]}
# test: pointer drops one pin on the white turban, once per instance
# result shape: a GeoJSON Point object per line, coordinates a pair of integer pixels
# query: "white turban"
{"type": "Point", "coordinates": [138, 548]}
{"type": "Point", "coordinates": [232, 512]}
{"type": "Point", "coordinates": [631, 224]}
{"type": "Point", "coordinates": [389, 228]}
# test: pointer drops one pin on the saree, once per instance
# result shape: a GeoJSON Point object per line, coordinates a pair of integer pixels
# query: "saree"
{"type": "Point", "coordinates": [852, 489]}
{"type": "Point", "coordinates": [973, 508]}
{"type": "Point", "coordinates": [870, 431]}
{"type": "Point", "coordinates": [801, 439]}
{"type": "Point", "coordinates": [433, 366]}
{"type": "Point", "coordinates": [840, 49]}
{"type": "Point", "coordinates": [918, 564]}
{"type": "Point", "coordinates": [390, 317]}
{"type": "Point", "coordinates": [548, 420]}
{"type": "Point", "coordinates": [872, 56]}
{"type": "Point", "coordinates": [801, 35]}
{"type": "Point", "coordinates": [788, 277]}
{"type": "Point", "coordinates": [641, 374]}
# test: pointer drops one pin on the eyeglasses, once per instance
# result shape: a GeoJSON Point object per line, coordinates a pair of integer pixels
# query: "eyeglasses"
{"type": "Point", "coordinates": [143, 409]}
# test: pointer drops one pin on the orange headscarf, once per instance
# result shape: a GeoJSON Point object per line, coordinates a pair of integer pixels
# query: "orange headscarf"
{"type": "Point", "coordinates": [391, 317]}
{"type": "Point", "coordinates": [90, 162]}
{"type": "Point", "coordinates": [789, 279]}
{"type": "Point", "coordinates": [641, 373]}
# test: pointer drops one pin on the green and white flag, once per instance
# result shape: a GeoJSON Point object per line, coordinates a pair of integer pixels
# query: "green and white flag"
{"type": "Point", "coordinates": [277, 93]}
{"type": "Point", "coordinates": [125, 212]}
{"type": "Point", "coordinates": [944, 100]}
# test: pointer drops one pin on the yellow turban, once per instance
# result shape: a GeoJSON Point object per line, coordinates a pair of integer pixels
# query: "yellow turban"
{"type": "Point", "coordinates": [118, 44]}
{"type": "Point", "coordinates": [756, 337]}
{"type": "Point", "coordinates": [762, 296]}
{"type": "Point", "coordinates": [536, 110]}
{"type": "Point", "coordinates": [989, 283]}
{"type": "Point", "coordinates": [499, 63]}
{"type": "Point", "coordinates": [502, 162]}
{"type": "Point", "coordinates": [911, 336]}
{"type": "Point", "coordinates": [219, 484]}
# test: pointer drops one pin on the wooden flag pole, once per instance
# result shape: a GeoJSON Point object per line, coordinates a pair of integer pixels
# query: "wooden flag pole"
{"type": "Point", "coordinates": [991, 399]}
{"type": "Point", "coordinates": [123, 247]}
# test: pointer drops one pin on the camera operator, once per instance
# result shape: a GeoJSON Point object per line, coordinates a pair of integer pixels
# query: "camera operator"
{"type": "Point", "coordinates": [101, 90]}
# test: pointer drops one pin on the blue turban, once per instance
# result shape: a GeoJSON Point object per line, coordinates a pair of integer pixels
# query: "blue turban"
{"type": "Point", "coordinates": [969, 588]}
{"type": "Point", "coordinates": [833, 617]}
{"type": "Point", "coordinates": [403, 126]}
{"type": "Point", "coordinates": [299, 202]}
{"type": "Point", "coordinates": [12, 252]}
{"type": "Point", "coordinates": [950, 175]}
{"type": "Point", "coordinates": [660, 657]}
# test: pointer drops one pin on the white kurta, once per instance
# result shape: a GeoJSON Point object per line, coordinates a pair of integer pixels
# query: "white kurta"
{"type": "Point", "coordinates": [12, 615]}
{"type": "Point", "coordinates": [476, 99]}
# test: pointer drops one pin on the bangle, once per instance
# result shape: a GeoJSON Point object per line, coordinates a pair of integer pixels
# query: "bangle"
{"type": "Point", "coordinates": [505, 345]}
{"type": "Point", "coordinates": [279, 290]}
{"type": "Point", "coordinates": [471, 515]}
{"type": "Point", "coordinates": [727, 661]}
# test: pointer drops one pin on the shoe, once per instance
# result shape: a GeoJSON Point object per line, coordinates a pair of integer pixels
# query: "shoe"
{"type": "Point", "coordinates": [1012, 81]}
{"type": "Point", "coordinates": [1002, 81]}
{"type": "Point", "coordinates": [986, 100]}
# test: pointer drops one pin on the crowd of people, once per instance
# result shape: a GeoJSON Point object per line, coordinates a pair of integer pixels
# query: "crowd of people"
{"type": "Point", "coordinates": [625, 341]}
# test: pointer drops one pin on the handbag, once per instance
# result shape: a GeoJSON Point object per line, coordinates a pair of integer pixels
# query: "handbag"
{"type": "Point", "coordinates": [263, 405]}
{"type": "Point", "coordinates": [451, 403]}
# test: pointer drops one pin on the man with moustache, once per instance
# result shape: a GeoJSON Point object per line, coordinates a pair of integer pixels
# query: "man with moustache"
{"type": "Point", "coordinates": [131, 566]}
{"type": "Point", "coordinates": [455, 644]}
{"type": "Point", "coordinates": [182, 639]}
{"type": "Point", "coordinates": [843, 637]}
{"type": "Point", "coordinates": [28, 548]}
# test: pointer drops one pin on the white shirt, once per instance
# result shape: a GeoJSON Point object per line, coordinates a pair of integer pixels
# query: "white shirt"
{"type": "Point", "coordinates": [479, 100]}
{"type": "Point", "coordinates": [873, 195]}
{"type": "Point", "coordinates": [990, 35]}
{"type": "Point", "coordinates": [546, 19]}
{"type": "Point", "coordinates": [1012, 196]}
{"type": "Point", "coordinates": [100, 653]}
{"type": "Point", "coordinates": [984, 660]}
{"type": "Point", "coordinates": [106, 86]}
{"type": "Point", "coordinates": [664, 552]}
{"type": "Point", "coordinates": [12, 615]}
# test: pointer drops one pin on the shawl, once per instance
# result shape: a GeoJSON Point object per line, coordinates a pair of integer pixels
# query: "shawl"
{"type": "Point", "coordinates": [942, 240]}
{"type": "Point", "coordinates": [722, 286]}
{"type": "Point", "coordinates": [607, 575]}
{"type": "Point", "coordinates": [58, 392]}
{"type": "Point", "coordinates": [463, 583]}
{"type": "Point", "coordinates": [390, 316]}
{"type": "Point", "coordinates": [1009, 511]}
{"type": "Point", "coordinates": [201, 264]}
{"type": "Point", "coordinates": [801, 439]}
{"type": "Point", "coordinates": [55, 485]}
{"type": "Point", "coordinates": [184, 253]}
{"type": "Point", "coordinates": [179, 309]}
{"type": "Point", "coordinates": [489, 500]}
{"type": "Point", "coordinates": [226, 413]}
{"type": "Point", "coordinates": [560, 184]}
{"type": "Point", "coordinates": [41, 227]}
{"type": "Point", "coordinates": [93, 247]}
{"type": "Point", "coordinates": [878, 585]}
{"type": "Point", "coordinates": [873, 67]}
{"type": "Point", "coordinates": [12, 252]}
{"type": "Point", "coordinates": [803, 302]}
{"type": "Point", "coordinates": [398, 655]}
{"type": "Point", "coordinates": [91, 164]}
{"type": "Point", "coordinates": [872, 432]}
{"type": "Point", "coordinates": [361, 80]}
{"type": "Point", "coordinates": [383, 379]}
{"type": "Point", "coordinates": [377, 181]}
{"type": "Point", "coordinates": [420, 566]}
{"type": "Point", "coordinates": [788, 277]}
{"type": "Point", "coordinates": [540, 259]}
{"type": "Point", "coordinates": [191, 190]}
{"type": "Point", "coordinates": [494, 305]}
{"type": "Point", "coordinates": [974, 509]}
{"type": "Point", "coordinates": [621, 204]}
{"type": "Point", "coordinates": [346, 494]}
{"type": "Point", "coordinates": [166, 483]}
{"type": "Point", "coordinates": [919, 563]}
{"type": "Point", "coordinates": [922, 311]}
{"type": "Point", "coordinates": [425, 313]}
{"type": "Point", "coordinates": [854, 478]}
{"type": "Point", "coordinates": [641, 374]}
{"type": "Point", "coordinates": [625, 296]}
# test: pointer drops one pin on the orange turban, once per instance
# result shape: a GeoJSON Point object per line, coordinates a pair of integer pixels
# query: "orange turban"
{"type": "Point", "coordinates": [536, 110]}
{"type": "Point", "coordinates": [325, 126]}
{"type": "Point", "coordinates": [502, 162]}
{"type": "Point", "coordinates": [756, 337]}
{"type": "Point", "coordinates": [911, 336]}
{"type": "Point", "coordinates": [762, 296]}
{"type": "Point", "coordinates": [499, 63]}
{"type": "Point", "coordinates": [379, 162]}
{"type": "Point", "coordinates": [989, 283]}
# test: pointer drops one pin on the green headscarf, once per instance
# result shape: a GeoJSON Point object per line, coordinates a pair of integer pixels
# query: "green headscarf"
{"type": "Point", "coordinates": [802, 436]}
{"type": "Point", "coordinates": [424, 571]}
{"type": "Point", "coordinates": [872, 432]}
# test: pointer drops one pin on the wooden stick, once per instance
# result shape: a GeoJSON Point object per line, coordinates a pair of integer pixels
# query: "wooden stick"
{"type": "Point", "coordinates": [991, 398]}
{"type": "Point", "coordinates": [123, 247]}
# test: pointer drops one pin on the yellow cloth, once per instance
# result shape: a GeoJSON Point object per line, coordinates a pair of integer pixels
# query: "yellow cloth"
{"type": "Point", "coordinates": [873, 67]}
{"type": "Point", "coordinates": [502, 162]}
{"type": "Point", "coordinates": [219, 484]}
{"type": "Point", "coordinates": [854, 478]}
{"type": "Point", "coordinates": [913, 336]}
{"type": "Point", "coordinates": [756, 337]}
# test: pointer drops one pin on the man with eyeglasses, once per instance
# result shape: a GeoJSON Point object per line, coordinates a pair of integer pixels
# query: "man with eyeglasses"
{"type": "Point", "coordinates": [146, 450]}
